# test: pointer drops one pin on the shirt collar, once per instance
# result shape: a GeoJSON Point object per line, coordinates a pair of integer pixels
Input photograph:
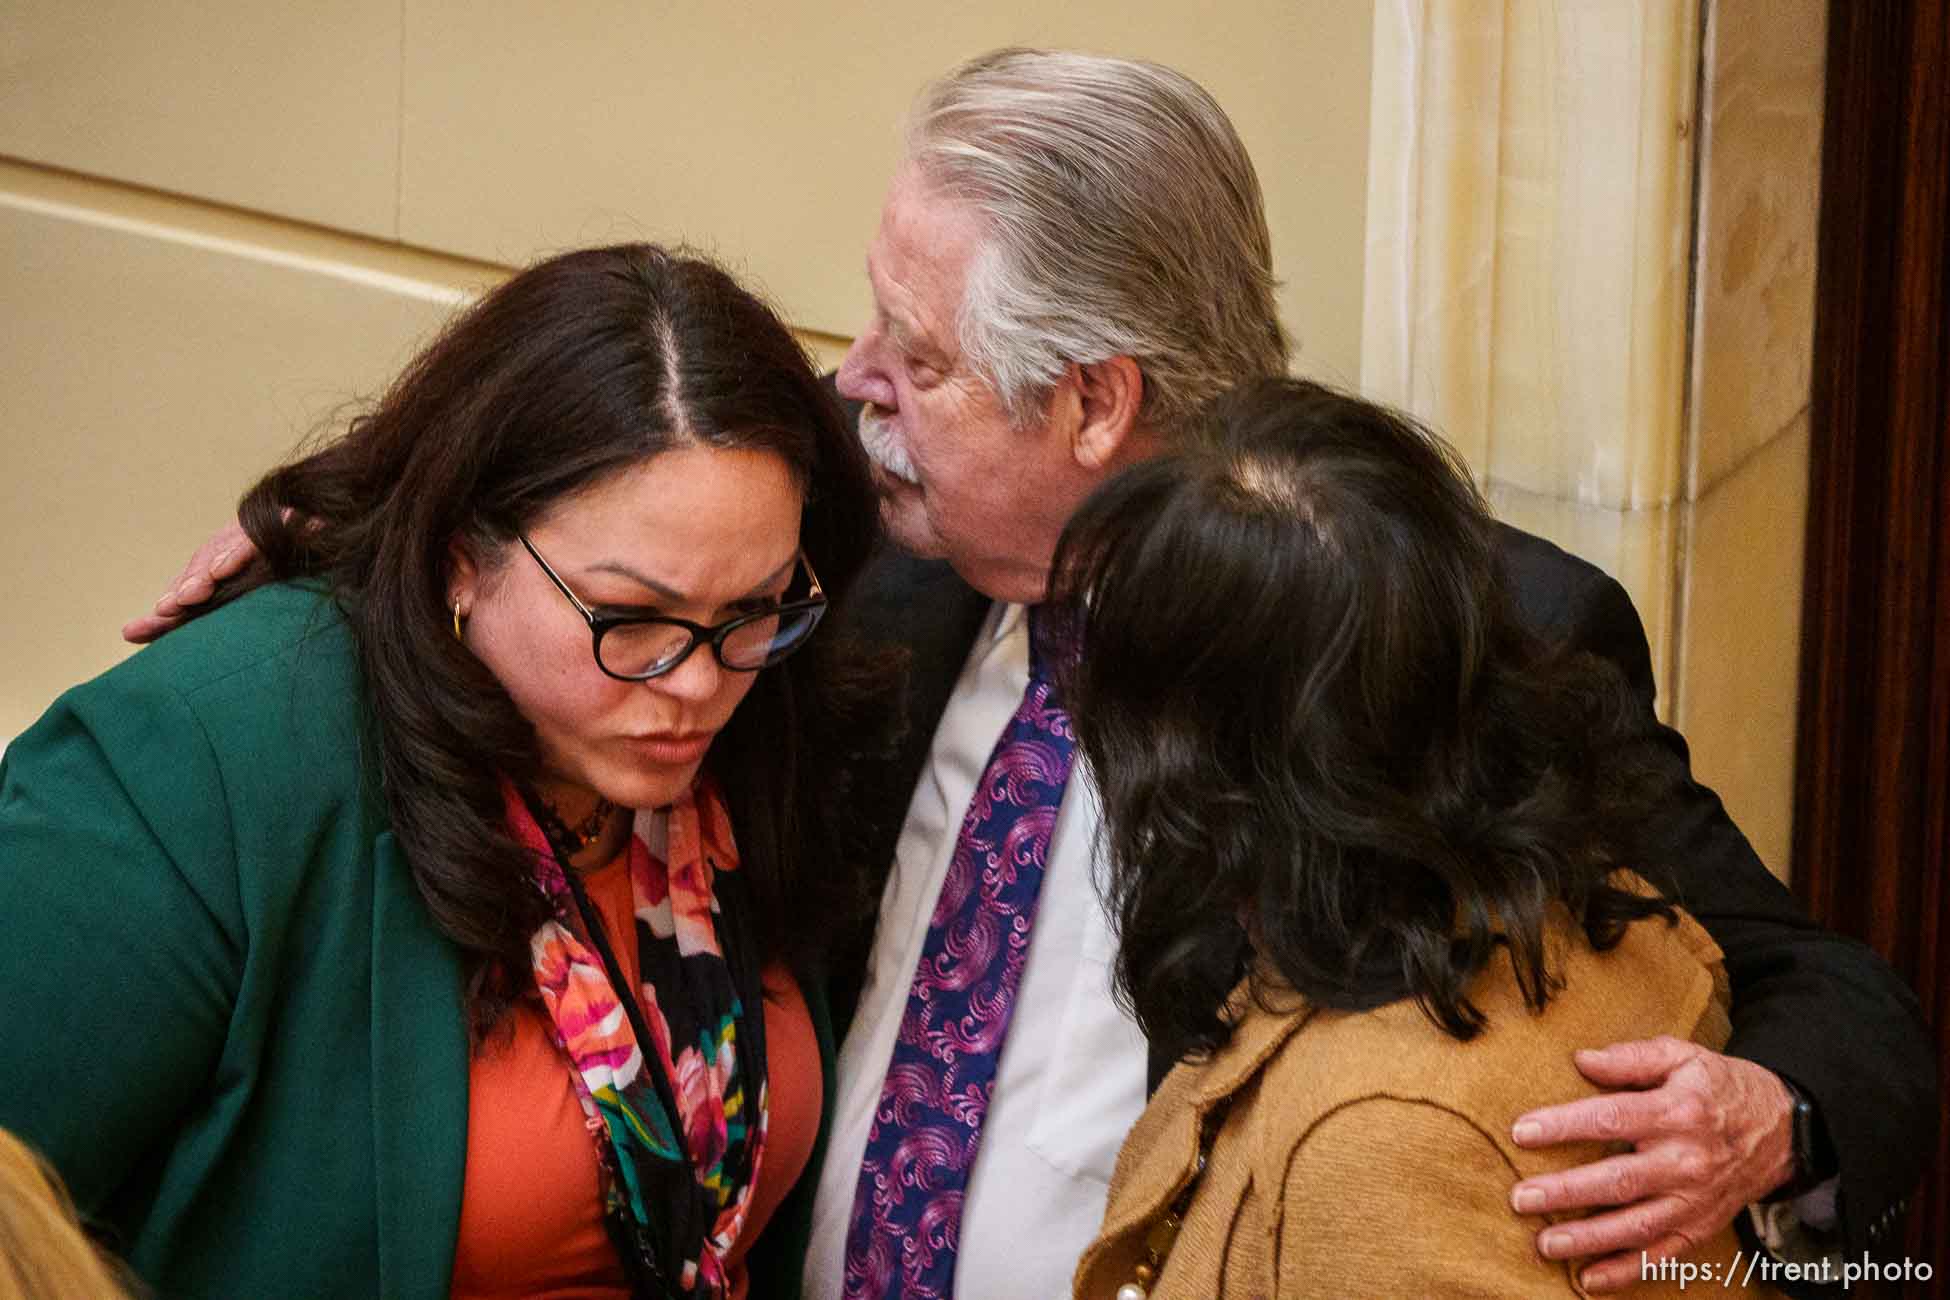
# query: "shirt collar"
{"type": "Point", "coordinates": [1005, 620]}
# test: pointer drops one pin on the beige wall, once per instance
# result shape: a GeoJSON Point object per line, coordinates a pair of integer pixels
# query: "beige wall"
{"type": "Point", "coordinates": [220, 222]}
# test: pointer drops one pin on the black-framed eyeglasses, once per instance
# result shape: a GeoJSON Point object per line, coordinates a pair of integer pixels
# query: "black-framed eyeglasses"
{"type": "Point", "coordinates": [634, 646]}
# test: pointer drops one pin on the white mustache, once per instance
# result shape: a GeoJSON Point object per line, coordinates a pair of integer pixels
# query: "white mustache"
{"type": "Point", "coordinates": [885, 449]}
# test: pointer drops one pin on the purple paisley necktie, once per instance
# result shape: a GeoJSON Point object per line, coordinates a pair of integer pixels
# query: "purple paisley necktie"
{"type": "Point", "coordinates": [907, 1209]}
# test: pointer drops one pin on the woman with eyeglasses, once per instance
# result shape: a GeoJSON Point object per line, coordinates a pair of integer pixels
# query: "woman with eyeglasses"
{"type": "Point", "coordinates": [1369, 858]}
{"type": "Point", "coordinates": [442, 914]}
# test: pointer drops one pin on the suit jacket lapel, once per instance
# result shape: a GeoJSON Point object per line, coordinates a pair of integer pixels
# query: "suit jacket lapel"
{"type": "Point", "coordinates": [925, 608]}
{"type": "Point", "coordinates": [419, 1084]}
{"type": "Point", "coordinates": [1160, 1157]}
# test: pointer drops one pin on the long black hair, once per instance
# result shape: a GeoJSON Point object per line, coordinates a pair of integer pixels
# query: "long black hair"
{"type": "Point", "coordinates": [575, 369]}
{"type": "Point", "coordinates": [1330, 754]}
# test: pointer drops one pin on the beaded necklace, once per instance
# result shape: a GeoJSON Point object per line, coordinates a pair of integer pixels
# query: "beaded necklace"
{"type": "Point", "coordinates": [583, 833]}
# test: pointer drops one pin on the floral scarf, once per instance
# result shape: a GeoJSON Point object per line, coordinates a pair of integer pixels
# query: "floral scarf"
{"type": "Point", "coordinates": [677, 1134]}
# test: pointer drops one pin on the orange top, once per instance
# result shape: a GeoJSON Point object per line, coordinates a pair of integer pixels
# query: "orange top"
{"type": "Point", "coordinates": [531, 1221]}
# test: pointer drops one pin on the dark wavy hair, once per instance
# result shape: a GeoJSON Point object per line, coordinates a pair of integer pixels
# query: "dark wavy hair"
{"type": "Point", "coordinates": [573, 370]}
{"type": "Point", "coordinates": [1330, 755]}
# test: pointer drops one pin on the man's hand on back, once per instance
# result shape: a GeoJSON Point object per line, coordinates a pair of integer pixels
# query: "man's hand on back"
{"type": "Point", "coordinates": [226, 553]}
{"type": "Point", "coordinates": [1711, 1134]}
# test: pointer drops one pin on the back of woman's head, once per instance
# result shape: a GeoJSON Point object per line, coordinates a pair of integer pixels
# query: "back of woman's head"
{"type": "Point", "coordinates": [577, 369]}
{"type": "Point", "coordinates": [43, 1254]}
{"type": "Point", "coordinates": [1321, 735]}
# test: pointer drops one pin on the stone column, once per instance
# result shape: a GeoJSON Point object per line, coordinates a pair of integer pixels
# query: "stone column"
{"type": "Point", "coordinates": [1612, 326]}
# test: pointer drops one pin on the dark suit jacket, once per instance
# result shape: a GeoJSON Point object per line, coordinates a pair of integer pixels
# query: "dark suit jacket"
{"type": "Point", "coordinates": [1814, 1007]}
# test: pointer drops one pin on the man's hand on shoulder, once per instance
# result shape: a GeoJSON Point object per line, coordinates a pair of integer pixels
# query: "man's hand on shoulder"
{"type": "Point", "coordinates": [226, 554]}
{"type": "Point", "coordinates": [1711, 1134]}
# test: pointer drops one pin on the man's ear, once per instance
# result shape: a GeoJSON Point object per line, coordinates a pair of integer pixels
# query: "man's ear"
{"type": "Point", "coordinates": [1109, 394]}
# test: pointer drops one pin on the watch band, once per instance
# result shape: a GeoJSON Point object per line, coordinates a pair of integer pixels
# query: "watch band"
{"type": "Point", "coordinates": [1805, 1133]}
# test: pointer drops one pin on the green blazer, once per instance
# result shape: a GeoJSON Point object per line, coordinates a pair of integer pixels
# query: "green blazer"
{"type": "Point", "coordinates": [228, 1020]}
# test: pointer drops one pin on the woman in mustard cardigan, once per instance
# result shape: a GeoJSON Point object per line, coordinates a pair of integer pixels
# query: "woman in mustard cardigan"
{"type": "Point", "coordinates": [441, 916]}
{"type": "Point", "coordinates": [1365, 843]}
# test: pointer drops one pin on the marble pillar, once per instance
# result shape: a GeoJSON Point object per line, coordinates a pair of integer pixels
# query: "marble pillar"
{"type": "Point", "coordinates": [1608, 311]}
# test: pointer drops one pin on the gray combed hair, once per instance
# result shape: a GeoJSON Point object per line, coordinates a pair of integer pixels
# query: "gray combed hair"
{"type": "Point", "coordinates": [1123, 219]}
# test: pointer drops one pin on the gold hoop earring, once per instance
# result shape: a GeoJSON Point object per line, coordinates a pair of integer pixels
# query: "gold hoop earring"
{"type": "Point", "coordinates": [457, 635]}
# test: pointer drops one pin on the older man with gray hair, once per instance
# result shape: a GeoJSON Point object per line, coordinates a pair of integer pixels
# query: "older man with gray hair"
{"type": "Point", "coordinates": [1072, 258]}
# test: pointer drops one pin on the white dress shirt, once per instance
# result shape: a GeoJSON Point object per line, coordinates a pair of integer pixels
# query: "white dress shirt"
{"type": "Point", "coordinates": [1070, 1081]}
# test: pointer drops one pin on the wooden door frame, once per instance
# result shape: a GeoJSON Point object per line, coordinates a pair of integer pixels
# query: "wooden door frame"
{"type": "Point", "coordinates": [1872, 789]}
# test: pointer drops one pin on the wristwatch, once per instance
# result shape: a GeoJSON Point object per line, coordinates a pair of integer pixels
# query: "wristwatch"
{"type": "Point", "coordinates": [1814, 1162]}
